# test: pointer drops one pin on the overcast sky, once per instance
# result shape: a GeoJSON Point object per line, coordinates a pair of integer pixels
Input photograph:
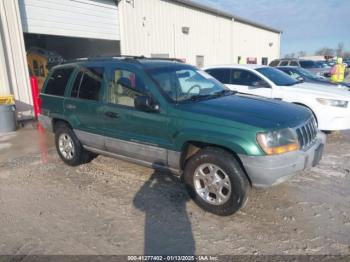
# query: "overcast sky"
{"type": "Point", "coordinates": [307, 25]}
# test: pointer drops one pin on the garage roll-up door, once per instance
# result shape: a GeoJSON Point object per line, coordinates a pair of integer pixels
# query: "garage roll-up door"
{"type": "Point", "coordinates": [73, 18]}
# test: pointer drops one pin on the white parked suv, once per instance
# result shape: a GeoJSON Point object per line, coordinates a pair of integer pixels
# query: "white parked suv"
{"type": "Point", "coordinates": [330, 105]}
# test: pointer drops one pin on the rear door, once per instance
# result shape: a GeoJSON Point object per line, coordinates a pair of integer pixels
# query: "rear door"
{"type": "Point", "coordinates": [83, 105]}
{"type": "Point", "coordinates": [52, 95]}
{"type": "Point", "coordinates": [247, 82]}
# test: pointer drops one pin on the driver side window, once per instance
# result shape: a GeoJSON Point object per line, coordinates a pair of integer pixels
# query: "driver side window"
{"type": "Point", "coordinates": [124, 87]}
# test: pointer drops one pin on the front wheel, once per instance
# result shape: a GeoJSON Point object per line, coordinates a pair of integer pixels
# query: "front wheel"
{"type": "Point", "coordinates": [216, 181]}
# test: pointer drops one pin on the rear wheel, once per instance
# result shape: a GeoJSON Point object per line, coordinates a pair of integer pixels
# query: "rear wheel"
{"type": "Point", "coordinates": [216, 181]}
{"type": "Point", "coordinates": [69, 147]}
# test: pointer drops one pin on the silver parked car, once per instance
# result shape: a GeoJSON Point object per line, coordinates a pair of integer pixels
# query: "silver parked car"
{"type": "Point", "coordinates": [310, 65]}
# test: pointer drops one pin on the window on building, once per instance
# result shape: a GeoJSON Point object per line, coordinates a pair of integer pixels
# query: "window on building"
{"type": "Point", "coordinates": [57, 82]}
{"type": "Point", "coordinates": [243, 77]}
{"type": "Point", "coordinates": [88, 83]}
{"type": "Point", "coordinates": [264, 61]}
{"type": "Point", "coordinates": [125, 87]}
{"type": "Point", "coordinates": [200, 61]}
{"type": "Point", "coordinates": [221, 74]}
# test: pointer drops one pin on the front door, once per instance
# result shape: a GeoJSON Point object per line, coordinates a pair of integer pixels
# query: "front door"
{"type": "Point", "coordinates": [131, 132]}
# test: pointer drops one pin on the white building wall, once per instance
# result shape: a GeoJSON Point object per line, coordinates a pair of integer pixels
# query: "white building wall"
{"type": "Point", "coordinates": [251, 41]}
{"type": "Point", "coordinates": [155, 27]}
{"type": "Point", "coordinates": [13, 63]}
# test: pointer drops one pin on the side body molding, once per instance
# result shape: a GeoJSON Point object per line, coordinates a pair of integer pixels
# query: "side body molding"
{"type": "Point", "coordinates": [142, 154]}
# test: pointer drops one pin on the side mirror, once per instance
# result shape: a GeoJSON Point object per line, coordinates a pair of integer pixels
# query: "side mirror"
{"type": "Point", "coordinates": [260, 84]}
{"type": "Point", "coordinates": [144, 103]}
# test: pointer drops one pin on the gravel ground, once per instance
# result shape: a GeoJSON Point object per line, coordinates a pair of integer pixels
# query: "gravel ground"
{"type": "Point", "coordinates": [113, 207]}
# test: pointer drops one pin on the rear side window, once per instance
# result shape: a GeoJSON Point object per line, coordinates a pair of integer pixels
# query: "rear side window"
{"type": "Point", "coordinates": [88, 83]}
{"type": "Point", "coordinates": [222, 74]}
{"type": "Point", "coordinates": [293, 63]}
{"type": "Point", "coordinates": [57, 82]}
{"type": "Point", "coordinates": [284, 63]}
{"type": "Point", "coordinates": [274, 63]}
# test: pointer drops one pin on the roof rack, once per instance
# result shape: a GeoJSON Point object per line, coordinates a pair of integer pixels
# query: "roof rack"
{"type": "Point", "coordinates": [130, 58]}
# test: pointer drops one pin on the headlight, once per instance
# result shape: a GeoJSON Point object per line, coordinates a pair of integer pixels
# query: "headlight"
{"type": "Point", "coordinates": [332, 102]}
{"type": "Point", "coordinates": [278, 142]}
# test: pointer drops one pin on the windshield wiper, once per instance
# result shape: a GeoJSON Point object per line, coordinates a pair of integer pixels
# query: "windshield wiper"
{"type": "Point", "coordinates": [197, 97]}
{"type": "Point", "coordinates": [213, 95]}
{"type": "Point", "coordinates": [292, 84]}
{"type": "Point", "coordinates": [224, 92]}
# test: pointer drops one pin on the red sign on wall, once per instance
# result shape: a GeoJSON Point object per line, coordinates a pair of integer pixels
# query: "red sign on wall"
{"type": "Point", "coordinates": [252, 60]}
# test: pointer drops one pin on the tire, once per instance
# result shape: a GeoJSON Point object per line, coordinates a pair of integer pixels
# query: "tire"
{"type": "Point", "coordinates": [65, 139]}
{"type": "Point", "coordinates": [232, 185]}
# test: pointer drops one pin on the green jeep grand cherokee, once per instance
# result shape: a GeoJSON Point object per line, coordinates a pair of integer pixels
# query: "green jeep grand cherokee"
{"type": "Point", "coordinates": [173, 116]}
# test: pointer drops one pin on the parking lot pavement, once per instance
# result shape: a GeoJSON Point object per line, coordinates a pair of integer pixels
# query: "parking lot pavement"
{"type": "Point", "coordinates": [112, 207]}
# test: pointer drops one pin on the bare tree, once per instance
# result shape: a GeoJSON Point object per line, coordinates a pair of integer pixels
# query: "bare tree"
{"type": "Point", "coordinates": [340, 49]}
{"type": "Point", "coordinates": [301, 53]}
{"type": "Point", "coordinates": [291, 55]}
{"type": "Point", "coordinates": [325, 51]}
{"type": "Point", "coordinates": [346, 55]}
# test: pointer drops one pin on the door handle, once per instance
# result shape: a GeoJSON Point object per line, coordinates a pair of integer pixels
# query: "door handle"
{"type": "Point", "coordinates": [112, 114]}
{"type": "Point", "coordinates": [70, 106]}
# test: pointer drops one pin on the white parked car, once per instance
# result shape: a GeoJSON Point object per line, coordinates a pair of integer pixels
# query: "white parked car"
{"type": "Point", "coordinates": [330, 105]}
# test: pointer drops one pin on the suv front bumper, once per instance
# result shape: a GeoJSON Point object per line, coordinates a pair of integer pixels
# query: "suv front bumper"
{"type": "Point", "coordinates": [266, 171]}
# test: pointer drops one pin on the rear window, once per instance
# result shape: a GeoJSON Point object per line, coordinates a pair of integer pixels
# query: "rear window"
{"type": "Point", "coordinates": [88, 83]}
{"type": "Point", "coordinates": [57, 82]}
{"type": "Point", "coordinates": [223, 75]}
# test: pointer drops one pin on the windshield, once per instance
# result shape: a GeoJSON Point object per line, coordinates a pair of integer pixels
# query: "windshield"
{"type": "Point", "coordinates": [322, 64]}
{"type": "Point", "coordinates": [276, 76]}
{"type": "Point", "coordinates": [307, 74]}
{"type": "Point", "coordinates": [181, 83]}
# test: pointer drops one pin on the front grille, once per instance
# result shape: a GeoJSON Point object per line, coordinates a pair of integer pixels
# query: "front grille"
{"type": "Point", "coordinates": [307, 133]}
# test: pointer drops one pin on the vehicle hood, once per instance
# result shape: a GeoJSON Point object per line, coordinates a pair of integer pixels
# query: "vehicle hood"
{"type": "Point", "coordinates": [321, 90]}
{"type": "Point", "coordinates": [250, 110]}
